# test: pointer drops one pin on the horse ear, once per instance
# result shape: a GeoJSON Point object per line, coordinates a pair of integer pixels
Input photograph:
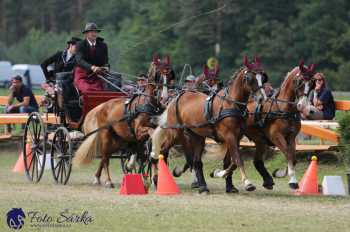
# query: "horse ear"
{"type": "Point", "coordinates": [167, 60]}
{"type": "Point", "coordinates": [257, 60]}
{"type": "Point", "coordinates": [245, 61]}
{"type": "Point", "coordinates": [155, 59]}
{"type": "Point", "coordinates": [301, 65]}
{"type": "Point", "coordinates": [205, 70]}
{"type": "Point", "coordinates": [312, 68]}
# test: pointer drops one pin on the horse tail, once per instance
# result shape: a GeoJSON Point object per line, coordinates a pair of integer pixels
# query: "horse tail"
{"type": "Point", "coordinates": [158, 135]}
{"type": "Point", "coordinates": [214, 151]}
{"type": "Point", "coordinates": [90, 147]}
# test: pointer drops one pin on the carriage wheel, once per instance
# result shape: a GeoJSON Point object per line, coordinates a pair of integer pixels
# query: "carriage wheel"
{"type": "Point", "coordinates": [61, 156]}
{"type": "Point", "coordinates": [34, 147]}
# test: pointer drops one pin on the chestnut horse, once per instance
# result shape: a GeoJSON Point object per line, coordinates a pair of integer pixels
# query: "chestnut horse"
{"type": "Point", "coordinates": [121, 123]}
{"type": "Point", "coordinates": [275, 122]}
{"type": "Point", "coordinates": [219, 116]}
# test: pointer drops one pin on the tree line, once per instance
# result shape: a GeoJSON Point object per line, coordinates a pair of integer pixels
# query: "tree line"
{"type": "Point", "coordinates": [190, 31]}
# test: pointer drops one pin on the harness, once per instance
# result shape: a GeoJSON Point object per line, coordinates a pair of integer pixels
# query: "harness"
{"type": "Point", "coordinates": [130, 113]}
{"type": "Point", "coordinates": [260, 121]}
{"type": "Point", "coordinates": [237, 112]}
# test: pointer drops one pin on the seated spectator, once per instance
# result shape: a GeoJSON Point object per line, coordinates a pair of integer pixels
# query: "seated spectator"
{"type": "Point", "coordinates": [26, 102]}
{"type": "Point", "coordinates": [322, 105]}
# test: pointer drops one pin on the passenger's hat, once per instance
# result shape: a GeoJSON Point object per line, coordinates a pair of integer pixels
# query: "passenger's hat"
{"type": "Point", "coordinates": [73, 40]}
{"type": "Point", "coordinates": [91, 27]}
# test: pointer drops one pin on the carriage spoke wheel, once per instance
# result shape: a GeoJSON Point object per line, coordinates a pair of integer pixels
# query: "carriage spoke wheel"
{"type": "Point", "coordinates": [61, 156]}
{"type": "Point", "coordinates": [34, 147]}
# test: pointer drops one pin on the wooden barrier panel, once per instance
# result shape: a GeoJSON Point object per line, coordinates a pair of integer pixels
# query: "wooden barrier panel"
{"type": "Point", "coordinates": [22, 118]}
{"type": "Point", "coordinates": [4, 99]}
{"type": "Point", "coordinates": [320, 132]}
{"type": "Point", "coordinates": [342, 105]}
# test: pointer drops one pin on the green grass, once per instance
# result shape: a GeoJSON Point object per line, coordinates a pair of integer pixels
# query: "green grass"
{"type": "Point", "coordinates": [262, 210]}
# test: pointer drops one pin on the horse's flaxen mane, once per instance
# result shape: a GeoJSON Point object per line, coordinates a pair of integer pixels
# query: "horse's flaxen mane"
{"type": "Point", "coordinates": [286, 78]}
{"type": "Point", "coordinates": [151, 73]}
{"type": "Point", "coordinates": [235, 74]}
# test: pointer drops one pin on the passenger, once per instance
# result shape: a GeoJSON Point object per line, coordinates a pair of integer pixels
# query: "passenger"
{"type": "Point", "coordinates": [190, 82]}
{"type": "Point", "coordinates": [62, 61]}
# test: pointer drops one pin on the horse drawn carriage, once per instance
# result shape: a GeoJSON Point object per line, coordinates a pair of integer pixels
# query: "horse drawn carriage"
{"type": "Point", "coordinates": [57, 142]}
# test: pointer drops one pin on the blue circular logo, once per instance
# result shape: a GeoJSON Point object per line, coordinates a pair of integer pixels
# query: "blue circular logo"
{"type": "Point", "coordinates": [15, 218]}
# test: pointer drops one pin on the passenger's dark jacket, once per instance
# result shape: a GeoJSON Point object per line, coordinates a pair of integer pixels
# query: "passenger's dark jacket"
{"type": "Point", "coordinates": [85, 58]}
{"type": "Point", "coordinates": [59, 62]}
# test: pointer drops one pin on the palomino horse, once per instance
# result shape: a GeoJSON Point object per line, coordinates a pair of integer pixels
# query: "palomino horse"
{"type": "Point", "coordinates": [124, 124]}
{"type": "Point", "coordinates": [276, 122]}
{"type": "Point", "coordinates": [219, 116]}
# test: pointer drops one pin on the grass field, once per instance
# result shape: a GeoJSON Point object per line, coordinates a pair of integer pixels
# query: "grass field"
{"type": "Point", "coordinates": [262, 210]}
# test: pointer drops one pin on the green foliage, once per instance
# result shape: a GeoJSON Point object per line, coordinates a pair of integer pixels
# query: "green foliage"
{"type": "Point", "coordinates": [36, 47]}
{"type": "Point", "coordinates": [280, 32]}
{"type": "Point", "coordinates": [344, 129]}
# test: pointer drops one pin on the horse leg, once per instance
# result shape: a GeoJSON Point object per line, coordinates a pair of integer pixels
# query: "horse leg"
{"type": "Point", "coordinates": [162, 141]}
{"type": "Point", "coordinates": [260, 166]}
{"type": "Point", "coordinates": [289, 151]}
{"type": "Point", "coordinates": [108, 146]}
{"type": "Point", "coordinates": [234, 157]}
{"type": "Point", "coordinates": [293, 182]}
{"type": "Point", "coordinates": [198, 147]}
{"type": "Point", "coordinates": [97, 180]}
{"type": "Point", "coordinates": [230, 188]}
{"type": "Point", "coordinates": [108, 183]}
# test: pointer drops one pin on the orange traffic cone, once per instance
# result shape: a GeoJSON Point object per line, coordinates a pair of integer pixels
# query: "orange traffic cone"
{"type": "Point", "coordinates": [19, 166]}
{"type": "Point", "coordinates": [308, 184]}
{"type": "Point", "coordinates": [166, 183]}
{"type": "Point", "coordinates": [132, 184]}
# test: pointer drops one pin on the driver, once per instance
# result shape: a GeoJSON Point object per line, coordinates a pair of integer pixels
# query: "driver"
{"type": "Point", "coordinates": [92, 58]}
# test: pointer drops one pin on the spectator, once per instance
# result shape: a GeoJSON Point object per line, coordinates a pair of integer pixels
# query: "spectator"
{"type": "Point", "coordinates": [322, 105]}
{"type": "Point", "coordinates": [23, 95]}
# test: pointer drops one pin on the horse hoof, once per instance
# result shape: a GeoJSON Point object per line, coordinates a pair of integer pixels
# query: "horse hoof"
{"type": "Point", "coordinates": [268, 184]}
{"type": "Point", "coordinates": [194, 185]}
{"type": "Point", "coordinates": [96, 182]}
{"type": "Point", "coordinates": [280, 173]}
{"type": "Point", "coordinates": [250, 187]}
{"type": "Point", "coordinates": [203, 190]}
{"type": "Point", "coordinates": [293, 185]}
{"type": "Point", "coordinates": [232, 189]}
{"type": "Point", "coordinates": [177, 172]}
{"type": "Point", "coordinates": [109, 185]}
{"type": "Point", "coordinates": [211, 174]}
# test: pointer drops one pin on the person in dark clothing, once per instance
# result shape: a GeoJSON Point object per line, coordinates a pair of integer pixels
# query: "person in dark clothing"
{"type": "Point", "coordinates": [26, 102]}
{"type": "Point", "coordinates": [322, 105]}
{"type": "Point", "coordinates": [91, 57]}
{"type": "Point", "coordinates": [62, 61]}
